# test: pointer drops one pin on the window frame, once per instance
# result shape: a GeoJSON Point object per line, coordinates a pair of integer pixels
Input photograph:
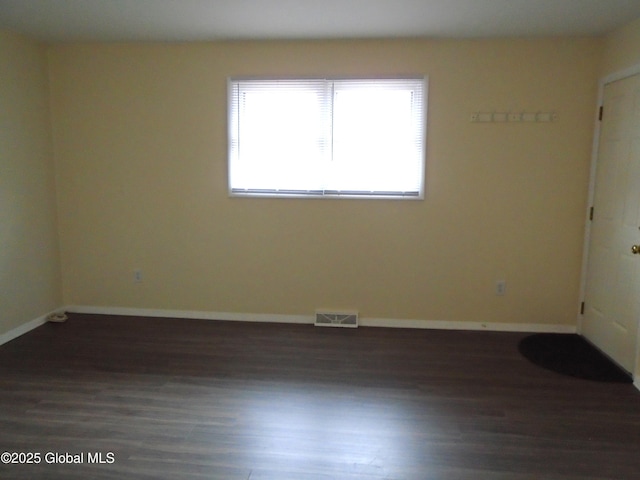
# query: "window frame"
{"type": "Point", "coordinates": [328, 193]}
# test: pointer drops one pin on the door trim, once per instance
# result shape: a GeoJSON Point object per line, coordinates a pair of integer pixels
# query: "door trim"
{"type": "Point", "coordinates": [620, 75]}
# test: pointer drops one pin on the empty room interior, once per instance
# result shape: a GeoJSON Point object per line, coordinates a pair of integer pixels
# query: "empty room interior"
{"type": "Point", "coordinates": [178, 296]}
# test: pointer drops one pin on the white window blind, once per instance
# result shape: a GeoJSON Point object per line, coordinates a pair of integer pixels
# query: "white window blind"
{"type": "Point", "coordinates": [319, 137]}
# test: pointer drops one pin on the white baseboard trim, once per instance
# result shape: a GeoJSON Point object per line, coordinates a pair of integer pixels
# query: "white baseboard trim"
{"type": "Point", "coordinates": [192, 314]}
{"type": "Point", "coordinates": [636, 382]}
{"type": "Point", "coordinates": [309, 319]}
{"type": "Point", "coordinates": [460, 325]}
{"type": "Point", "coordinates": [25, 327]}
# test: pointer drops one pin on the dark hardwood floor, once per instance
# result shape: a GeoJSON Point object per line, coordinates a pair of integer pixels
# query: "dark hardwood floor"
{"type": "Point", "coordinates": [185, 399]}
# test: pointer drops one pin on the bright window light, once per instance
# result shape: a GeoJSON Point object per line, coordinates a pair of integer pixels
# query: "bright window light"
{"type": "Point", "coordinates": [331, 138]}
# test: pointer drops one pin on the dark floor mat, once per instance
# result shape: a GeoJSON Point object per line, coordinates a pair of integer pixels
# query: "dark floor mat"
{"type": "Point", "coordinates": [570, 354]}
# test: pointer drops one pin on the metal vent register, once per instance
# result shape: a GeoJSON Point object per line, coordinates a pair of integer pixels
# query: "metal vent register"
{"type": "Point", "coordinates": [336, 319]}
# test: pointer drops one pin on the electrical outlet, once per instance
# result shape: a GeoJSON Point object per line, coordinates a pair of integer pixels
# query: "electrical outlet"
{"type": "Point", "coordinates": [137, 276]}
{"type": "Point", "coordinates": [501, 287]}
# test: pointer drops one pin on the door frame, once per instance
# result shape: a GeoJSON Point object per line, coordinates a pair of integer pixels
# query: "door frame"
{"type": "Point", "coordinates": [620, 75]}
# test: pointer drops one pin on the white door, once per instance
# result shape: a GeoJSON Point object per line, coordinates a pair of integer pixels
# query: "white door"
{"type": "Point", "coordinates": [612, 296]}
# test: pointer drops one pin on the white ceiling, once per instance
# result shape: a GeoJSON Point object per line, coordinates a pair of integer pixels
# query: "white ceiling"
{"type": "Point", "coordinates": [193, 20]}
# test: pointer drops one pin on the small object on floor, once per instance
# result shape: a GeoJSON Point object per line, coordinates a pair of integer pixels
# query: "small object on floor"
{"type": "Point", "coordinates": [57, 317]}
{"type": "Point", "coordinates": [570, 354]}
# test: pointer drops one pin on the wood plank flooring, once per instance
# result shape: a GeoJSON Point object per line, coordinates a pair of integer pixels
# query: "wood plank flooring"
{"type": "Point", "coordinates": [185, 399]}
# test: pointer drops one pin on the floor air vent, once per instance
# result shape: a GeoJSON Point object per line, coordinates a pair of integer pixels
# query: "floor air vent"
{"type": "Point", "coordinates": [336, 319]}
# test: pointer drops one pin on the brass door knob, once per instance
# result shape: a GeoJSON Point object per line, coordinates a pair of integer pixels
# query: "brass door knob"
{"type": "Point", "coordinates": [635, 249]}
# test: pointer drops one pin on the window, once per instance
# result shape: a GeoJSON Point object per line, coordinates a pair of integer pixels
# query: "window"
{"type": "Point", "coordinates": [327, 138]}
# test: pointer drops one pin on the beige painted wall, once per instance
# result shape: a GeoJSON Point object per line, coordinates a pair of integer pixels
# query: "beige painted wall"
{"type": "Point", "coordinates": [622, 49]}
{"type": "Point", "coordinates": [29, 257]}
{"type": "Point", "coordinates": [140, 145]}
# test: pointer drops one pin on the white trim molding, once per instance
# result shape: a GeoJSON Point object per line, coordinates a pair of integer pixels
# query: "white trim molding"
{"type": "Point", "coordinates": [192, 314]}
{"type": "Point", "coordinates": [25, 327]}
{"type": "Point", "coordinates": [309, 319]}
{"type": "Point", "coordinates": [467, 325]}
